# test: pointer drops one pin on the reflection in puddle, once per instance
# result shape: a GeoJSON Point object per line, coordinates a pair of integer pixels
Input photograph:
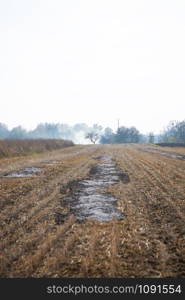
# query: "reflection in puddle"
{"type": "Point", "coordinates": [88, 200]}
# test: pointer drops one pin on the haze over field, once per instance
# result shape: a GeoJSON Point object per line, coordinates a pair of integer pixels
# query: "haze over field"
{"type": "Point", "coordinates": [92, 62]}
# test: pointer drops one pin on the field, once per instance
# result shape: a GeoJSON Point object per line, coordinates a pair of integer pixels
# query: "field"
{"type": "Point", "coordinates": [41, 238]}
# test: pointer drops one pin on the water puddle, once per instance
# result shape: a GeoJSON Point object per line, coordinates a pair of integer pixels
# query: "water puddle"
{"type": "Point", "coordinates": [52, 163]}
{"type": "Point", "coordinates": [167, 154]}
{"type": "Point", "coordinates": [27, 172]}
{"type": "Point", "coordinates": [88, 199]}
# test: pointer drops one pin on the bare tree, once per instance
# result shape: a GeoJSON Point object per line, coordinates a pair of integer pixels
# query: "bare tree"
{"type": "Point", "coordinates": [92, 136]}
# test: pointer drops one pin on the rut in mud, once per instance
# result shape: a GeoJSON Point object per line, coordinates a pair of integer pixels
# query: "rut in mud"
{"type": "Point", "coordinates": [27, 172]}
{"type": "Point", "coordinates": [171, 155]}
{"type": "Point", "coordinates": [88, 198]}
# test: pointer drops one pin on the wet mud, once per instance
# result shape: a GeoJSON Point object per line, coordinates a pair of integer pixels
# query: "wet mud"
{"type": "Point", "coordinates": [27, 172]}
{"type": "Point", "coordinates": [88, 199]}
{"type": "Point", "coordinates": [167, 154]}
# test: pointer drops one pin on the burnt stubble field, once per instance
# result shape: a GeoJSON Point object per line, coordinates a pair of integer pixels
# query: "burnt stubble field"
{"type": "Point", "coordinates": [94, 211]}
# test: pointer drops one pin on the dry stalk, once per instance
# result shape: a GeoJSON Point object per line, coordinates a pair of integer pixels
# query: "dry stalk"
{"type": "Point", "coordinates": [114, 250]}
{"type": "Point", "coordinates": [33, 261]}
{"type": "Point", "coordinates": [162, 256]}
{"type": "Point", "coordinates": [88, 261]}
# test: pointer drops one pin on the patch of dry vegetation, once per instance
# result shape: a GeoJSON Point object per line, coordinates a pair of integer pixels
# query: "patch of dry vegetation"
{"type": "Point", "coordinates": [10, 148]}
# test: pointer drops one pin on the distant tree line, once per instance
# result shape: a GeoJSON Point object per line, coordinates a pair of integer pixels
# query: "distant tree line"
{"type": "Point", "coordinates": [76, 133]}
{"type": "Point", "coordinates": [81, 132]}
{"type": "Point", "coordinates": [174, 133]}
{"type": "Point", "coordinates": [122, 135]}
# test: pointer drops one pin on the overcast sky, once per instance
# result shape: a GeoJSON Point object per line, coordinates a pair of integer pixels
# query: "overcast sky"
{"type": "Point", "coordinates": [92, 61]}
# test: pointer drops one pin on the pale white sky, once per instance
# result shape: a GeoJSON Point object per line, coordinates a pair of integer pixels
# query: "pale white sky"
{"type": "Point", "coordinates": [93, 61]}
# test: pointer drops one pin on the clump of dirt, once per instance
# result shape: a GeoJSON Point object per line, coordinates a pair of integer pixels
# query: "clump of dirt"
{"type": "Point", "coordinates": [87, 198]}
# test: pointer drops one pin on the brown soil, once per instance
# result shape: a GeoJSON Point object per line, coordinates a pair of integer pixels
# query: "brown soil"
{"type": "Point", "coordinates": [149, 242]}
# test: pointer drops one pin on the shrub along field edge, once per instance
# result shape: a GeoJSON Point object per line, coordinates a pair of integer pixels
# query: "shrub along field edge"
{"type": "Point", "coordinates": [11, 148]}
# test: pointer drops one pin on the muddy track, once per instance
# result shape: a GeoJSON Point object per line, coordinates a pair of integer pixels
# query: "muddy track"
{"type": "Point", "coordinates": [88, 198]}
{"type": "Point", "coordinates": [167, 154]}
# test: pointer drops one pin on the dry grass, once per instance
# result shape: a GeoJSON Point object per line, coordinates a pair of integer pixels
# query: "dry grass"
{"type": "Point", "coordinates": [11, 148]}
{"type": "Point", "coordinates": [149, 242]}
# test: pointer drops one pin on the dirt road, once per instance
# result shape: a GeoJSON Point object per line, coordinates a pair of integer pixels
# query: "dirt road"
{"type": "Point", "coordinates": [93, 211]}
